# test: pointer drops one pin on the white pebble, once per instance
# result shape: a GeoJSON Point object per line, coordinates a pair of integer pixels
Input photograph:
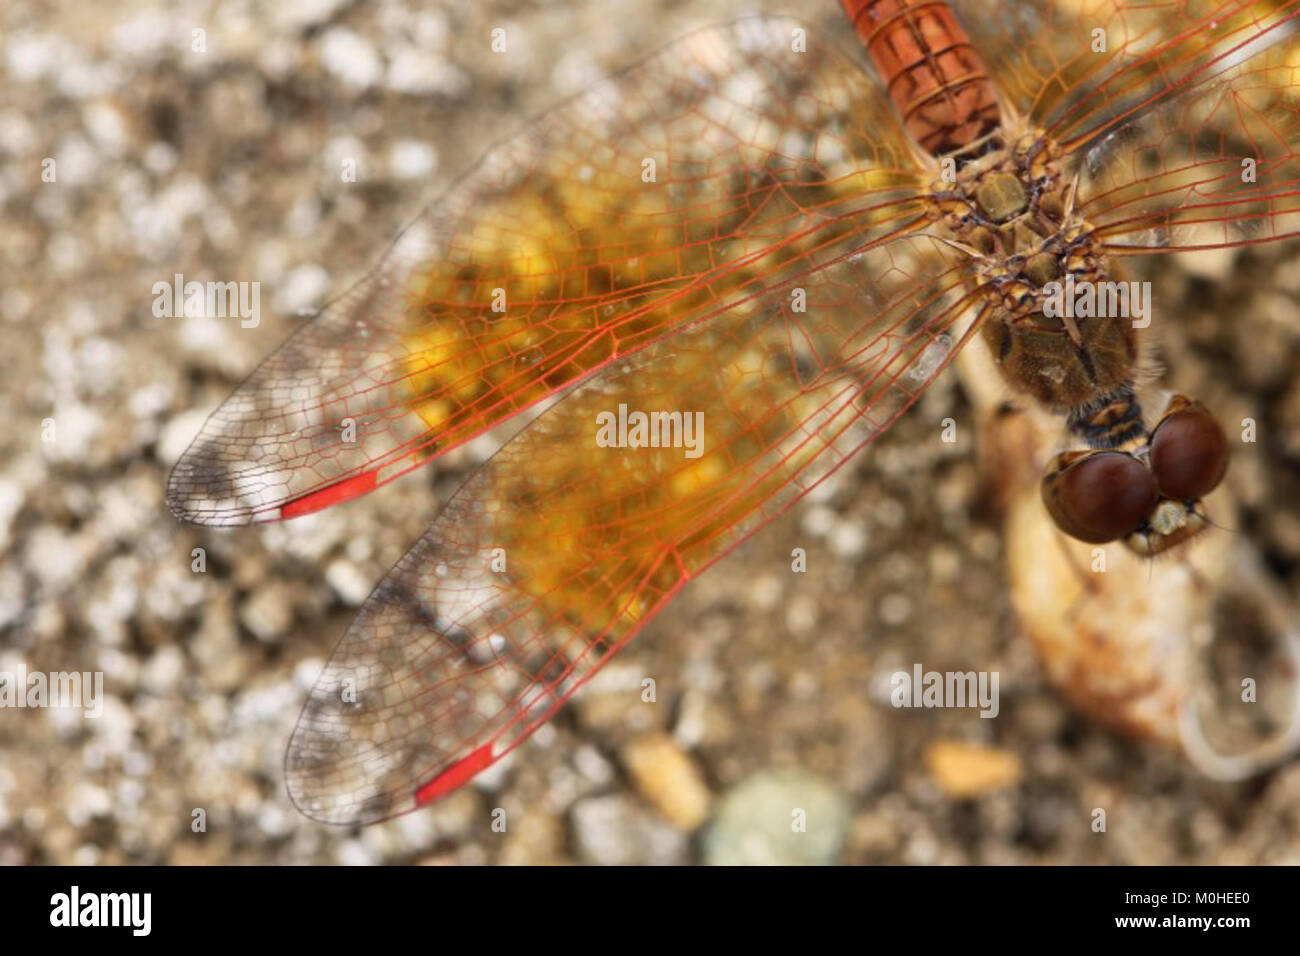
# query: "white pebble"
{"type": "Point", "coordinates": [349, 582]}
{"type": "Point", "coordinates": [411, 159]}
{"type": "Point", "coordinates": [348, 56]}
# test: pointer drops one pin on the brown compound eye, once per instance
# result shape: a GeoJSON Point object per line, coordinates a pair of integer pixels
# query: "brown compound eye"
{"type": "Point", "coordinates": [1099, 496]}
{"type": "Point", "coordinates": [1189, 451]}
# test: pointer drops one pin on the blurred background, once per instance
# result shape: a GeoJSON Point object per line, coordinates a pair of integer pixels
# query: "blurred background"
{"type": "Point", "coordinates": [772, 687]}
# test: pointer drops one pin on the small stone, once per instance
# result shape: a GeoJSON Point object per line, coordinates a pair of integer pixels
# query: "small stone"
{"type": "Point", "coordinates": [667, 777]}
{"type": "Point", "coordinates": [778, 818]}
{"type": "Point", "coordinates": [818, 521]}
{"type": "Point", "coordinates": [86, 801]}
{"type": "Point", "coordinates": [268, 613]}
{"type": "Point", "coordinates": [76, 429]}
{"type": "Point", "coordinates": [175, 436]}
{"type": "Point", "coordinates": [412, 159]}
{"type": "Point", "coordinates": [354, 853]}
{"type": "Point", "coordinates": [58, 558]}
{"type": "Point", "coordinates": [350, 57]}
{"type": "Point", "coordinates": [963, 769]}
{"type": "Point", "coordinates": [692, 719]}
{"type": "Point", "coordinates": [614, 831]}
{"type": "Point", "coordinates": [349, 582]}
{"type": "Point", "coordinates": [164, 670]}
{"type": "Point", "coordinates": [417, 73]}
{"type": "Point", "coordinates": [303, 290]}
{"type": "Point", "coordinates": [107, 126]}
{"type": "Point", "coordinates": [801, 615]}
{"type": "Point", "coordinates": [538, 839]}
{"type": "Point", "coordinates": [589, 762]}
{"type": "Point", "coordinates": [848, 539]}
{"type": "Point", "coordinates": [765, 592]}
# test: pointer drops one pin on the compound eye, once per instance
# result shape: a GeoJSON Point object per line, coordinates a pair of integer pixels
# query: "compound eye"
{"type": "Point", "coordinates": [1189, 451]}
{"type": "Point", "coordinates": [1099, 496]}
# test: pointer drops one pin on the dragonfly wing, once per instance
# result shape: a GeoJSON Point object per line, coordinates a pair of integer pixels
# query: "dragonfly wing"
{"type": "Point", "coordinates": [651, 201]}
{"type": "Point", "coordinates": [1160, 104]}
{"type": "Point", "coordinates": [577, 532]}
{"type": "Point", "coordinates": [1080, 69]}
{"type": "Point", "coordinates": [1219, 166]}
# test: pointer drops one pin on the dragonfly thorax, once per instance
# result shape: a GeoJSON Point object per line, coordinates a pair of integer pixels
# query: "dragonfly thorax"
{"type": "Point", "coordinates": [1012, 212]}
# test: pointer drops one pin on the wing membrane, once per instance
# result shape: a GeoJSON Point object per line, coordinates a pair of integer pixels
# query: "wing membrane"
{"type": "Point", "coordinates": [1219, 166]}
{"type": "Point", "coordinates": [656, 199]}
{"type": "Point", "coordinates": [1080, 69]}
{"type": "Point", "coordinates": [1160, 121]}
{"type": "Point", "coordinates": [454, 661]}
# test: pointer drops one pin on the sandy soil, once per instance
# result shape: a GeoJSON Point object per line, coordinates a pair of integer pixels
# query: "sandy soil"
{"type": "Point", "coordinates": [772, 687]}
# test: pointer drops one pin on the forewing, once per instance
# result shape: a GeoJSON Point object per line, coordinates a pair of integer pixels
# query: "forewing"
{"type": "Point", "coordinates": [654, 200]}
{"type": "Point", "coordinates": [561, 548]}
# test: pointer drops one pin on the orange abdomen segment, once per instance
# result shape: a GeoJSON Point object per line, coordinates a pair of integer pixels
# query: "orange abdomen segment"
{"type": "Point", "coordinates": [935, 77]}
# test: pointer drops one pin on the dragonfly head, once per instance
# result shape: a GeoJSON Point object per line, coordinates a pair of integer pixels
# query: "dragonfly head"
{"type": "Point", "coordinates": [1149, 497]}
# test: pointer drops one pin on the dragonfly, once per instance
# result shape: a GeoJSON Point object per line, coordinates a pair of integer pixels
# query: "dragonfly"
{"type": "Point", "coordinates": [780, 239]}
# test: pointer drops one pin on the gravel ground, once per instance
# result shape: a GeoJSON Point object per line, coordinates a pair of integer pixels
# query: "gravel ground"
{"type": "Point", "coordinates": [773, 687]}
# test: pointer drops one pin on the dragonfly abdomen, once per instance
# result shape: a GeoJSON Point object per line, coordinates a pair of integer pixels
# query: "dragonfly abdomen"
{"type": "Point", "coordinates": [935, 78]}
